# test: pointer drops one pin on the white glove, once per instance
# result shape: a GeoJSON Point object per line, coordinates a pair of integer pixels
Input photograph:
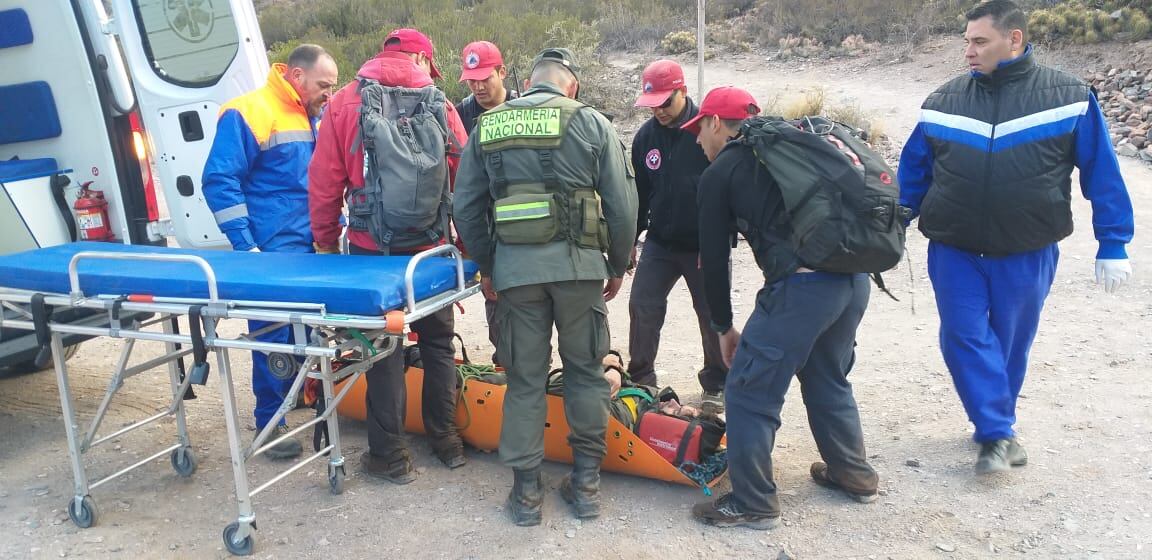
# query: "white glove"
{"type": "Point", "coordinates": [254, 250]}
{"type": "Point", "coordinates": [1112, 273]}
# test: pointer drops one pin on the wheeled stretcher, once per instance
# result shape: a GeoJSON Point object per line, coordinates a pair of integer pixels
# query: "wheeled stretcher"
{"type": "Point", "coordinates": [346, 309]}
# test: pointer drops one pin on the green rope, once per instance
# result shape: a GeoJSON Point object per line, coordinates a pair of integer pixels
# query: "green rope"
{"type": "Point", "coordinates": [466, 373]}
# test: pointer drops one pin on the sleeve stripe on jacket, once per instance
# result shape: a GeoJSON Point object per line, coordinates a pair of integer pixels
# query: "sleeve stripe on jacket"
{"type": "Point", "coordinates": [231, 213]}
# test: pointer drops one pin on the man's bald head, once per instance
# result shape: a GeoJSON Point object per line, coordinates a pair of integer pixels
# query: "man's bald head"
{"type": "Point", "coordinates": [556, 74]}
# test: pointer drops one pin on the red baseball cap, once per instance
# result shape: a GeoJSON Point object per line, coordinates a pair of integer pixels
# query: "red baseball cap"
{"type": "Point", "coordinates": [660, 79]}
{"type": "Point", "coordinates": [412, 41]}
{"type": "Point", "coordinates": [726, 102]}
{"type": "Point", "coordinates": [478, 59]}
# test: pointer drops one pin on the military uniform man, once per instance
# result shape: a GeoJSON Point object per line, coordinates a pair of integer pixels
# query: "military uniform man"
{"type": "Point", "coordinates": [554, 177]}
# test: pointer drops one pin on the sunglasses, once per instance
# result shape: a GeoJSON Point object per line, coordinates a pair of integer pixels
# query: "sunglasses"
{"type": "Point", "coordinates": [668, 103]}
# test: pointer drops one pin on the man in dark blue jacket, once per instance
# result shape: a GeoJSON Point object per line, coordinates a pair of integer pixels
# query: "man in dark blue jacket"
{"type": "Point", "coordinates": [987, 170]}
{"type": "Point", "coordinates": [668, 166]}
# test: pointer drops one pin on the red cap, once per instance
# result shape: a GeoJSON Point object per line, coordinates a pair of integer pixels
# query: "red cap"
{"type": "Point", "coordinates": [412, 41]}
{"type": "Point", "coordinates": [660, 79]}
{"type": "Point", "coordinates": [726, 102]}
{"type": "Point", "coordinates": [478, 59]}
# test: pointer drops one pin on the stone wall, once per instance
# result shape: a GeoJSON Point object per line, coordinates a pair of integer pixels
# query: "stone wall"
{"type": "Point", "coordinates": [1126, 96]}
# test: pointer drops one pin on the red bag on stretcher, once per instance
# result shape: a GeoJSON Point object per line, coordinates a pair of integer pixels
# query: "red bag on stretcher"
{"type": "Point", "coordinates": [675, 439]}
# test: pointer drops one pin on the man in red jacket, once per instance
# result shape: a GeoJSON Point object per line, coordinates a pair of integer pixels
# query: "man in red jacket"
{"type": "Point", "coordinates": [406, 60]}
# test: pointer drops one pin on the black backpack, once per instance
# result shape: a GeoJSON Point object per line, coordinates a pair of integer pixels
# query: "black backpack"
{"type": "Point", "coordinates": [842, 199]}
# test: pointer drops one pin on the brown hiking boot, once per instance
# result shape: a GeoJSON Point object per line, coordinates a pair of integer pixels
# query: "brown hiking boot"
{"type": "Point", "coordinates": [581, 489]}
{"type": "Point", "coordinates": [525, 498]}
{"type": "Point", "coordinates": [450, 451]}
{"type": "Point", "coordinates": [397, 470]}
{"type": "Point", "coordinates": [819, 472]}
{"type": "Point", "coordinates": [723, 512]}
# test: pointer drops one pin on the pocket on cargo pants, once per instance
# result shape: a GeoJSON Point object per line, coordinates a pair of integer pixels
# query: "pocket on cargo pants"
{"type": "Point", "coordinates": [503, 327]}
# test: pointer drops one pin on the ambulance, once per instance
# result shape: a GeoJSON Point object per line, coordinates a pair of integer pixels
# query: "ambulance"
{"type": "Point", "coordinates": [107, 113]}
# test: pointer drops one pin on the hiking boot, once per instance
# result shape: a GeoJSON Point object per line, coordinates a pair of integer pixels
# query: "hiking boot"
{"type": "Point", "coordinates": [712, 402]}
{"type": "Point", "coordinates": [1017, 457]}
{"type": "Point", "coordinates": [819, 472]}
{"type": "Point", "coordinates": [722, 512]}
{"type": "Point", "coordinates": [397, 470]}
{"type": "Point", "coordinates": [525, 498]}
{"type": "Point", "coordinates": [993, 457]}
{"type": "Point", "coordinates": [287, 449]}
{"type": "Point", "coordinates": [450, 451]}
{"type": "Point", "coordinates": [581, 489]}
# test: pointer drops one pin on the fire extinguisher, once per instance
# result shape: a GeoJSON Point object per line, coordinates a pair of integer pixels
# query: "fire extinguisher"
{"type": "Point", "coordinates": [92, 214]}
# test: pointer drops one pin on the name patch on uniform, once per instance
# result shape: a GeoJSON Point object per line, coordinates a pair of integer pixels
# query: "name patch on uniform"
{"type": "Point", "coordinates": [520, 123]}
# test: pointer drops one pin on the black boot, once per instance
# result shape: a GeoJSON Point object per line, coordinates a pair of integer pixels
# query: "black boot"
{"type": "Point", "coordinates": [526, 496]}
{"type": "Point", "coordinates": [582, 487]}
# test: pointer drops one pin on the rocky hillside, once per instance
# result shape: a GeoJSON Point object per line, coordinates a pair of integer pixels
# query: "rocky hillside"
{"type": "Point", "coordinates": [1126, 96]}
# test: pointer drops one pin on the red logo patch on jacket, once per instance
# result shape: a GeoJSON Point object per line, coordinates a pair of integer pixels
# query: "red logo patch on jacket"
{"type": "Point", "coordinates": [653, 159]}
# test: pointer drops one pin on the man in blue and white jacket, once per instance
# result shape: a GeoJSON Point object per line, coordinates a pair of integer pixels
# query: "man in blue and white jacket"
{"type": "Point", "coordinates": [988, 172]}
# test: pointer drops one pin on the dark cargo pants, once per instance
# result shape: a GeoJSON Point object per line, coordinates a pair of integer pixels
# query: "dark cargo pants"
{"type": "Point", "coordinates": [656, 274]}
{"type": "Point", "coordinates": [387, 395]}
{"type": "Point", "coordinates": [525, 316]}
{"type": "Point", "coordinates": [804, 325]}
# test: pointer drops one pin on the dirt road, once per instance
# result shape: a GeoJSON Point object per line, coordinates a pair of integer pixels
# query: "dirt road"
{"type": "Point", "coordinates": [1084, 417]}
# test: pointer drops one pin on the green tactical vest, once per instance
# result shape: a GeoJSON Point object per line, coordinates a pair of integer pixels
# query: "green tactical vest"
{"type": "Point", "coordinates": [545, 211]}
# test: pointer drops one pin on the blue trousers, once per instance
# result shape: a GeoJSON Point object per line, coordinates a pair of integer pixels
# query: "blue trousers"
{"type": "Point", "coordinates": [804, 325]}
{"type": "Point", "coordinates": [269, 390]}
{"type": "Point", "coordinates": [989, 311]}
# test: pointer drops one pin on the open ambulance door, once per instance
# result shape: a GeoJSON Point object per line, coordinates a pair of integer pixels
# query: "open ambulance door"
{"type": "Point", "coordinates": [187, 58]}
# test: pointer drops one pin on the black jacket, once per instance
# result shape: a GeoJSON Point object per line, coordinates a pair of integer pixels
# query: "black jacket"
{"type": "Point", "coordinates": [1004, 149]}
{"type": "Point", "coordinates": [668, 165]}
{"type": "Point", "coordinates": [738, 193]}
{"type": "Point", "coordinates": [469, 109]}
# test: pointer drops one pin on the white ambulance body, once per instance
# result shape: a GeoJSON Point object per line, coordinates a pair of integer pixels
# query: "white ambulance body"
{"type": "Point", "coordinates": [119, 96]}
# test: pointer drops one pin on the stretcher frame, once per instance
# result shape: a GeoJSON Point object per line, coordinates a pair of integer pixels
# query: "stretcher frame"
{"type": "Point", "coordinates": [357, 341]}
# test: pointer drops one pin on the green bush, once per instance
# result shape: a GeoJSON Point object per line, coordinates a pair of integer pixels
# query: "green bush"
{"type": "Point", "coordinates": [831, 21]}
{"type": "Point", "coordinates": [678, 42]}
{"type": "Point", "coordinates": [1091, 21]}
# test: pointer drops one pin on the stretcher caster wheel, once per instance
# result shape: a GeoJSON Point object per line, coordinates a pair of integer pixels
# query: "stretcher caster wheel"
{"type": "Point", "coordinates": [336, 479]}
{"type": "Point", "coordinates": [183, 461]}
{"type": "Point", "coordinates": [83, 512]}
{"type": "Point", "coordinates": [243, 548]}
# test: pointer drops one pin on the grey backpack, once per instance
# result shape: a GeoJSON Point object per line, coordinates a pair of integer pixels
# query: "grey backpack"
{"type": "Point", "coordinates": [406, 199]}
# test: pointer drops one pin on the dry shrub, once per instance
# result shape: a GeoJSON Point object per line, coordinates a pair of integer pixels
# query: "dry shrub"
{"type": "Point", "coordinates": [812, 103]}
{"type": "Point", "coordinates": [854, 116]}
{"type": "Point", "coordinates": [678, 42]}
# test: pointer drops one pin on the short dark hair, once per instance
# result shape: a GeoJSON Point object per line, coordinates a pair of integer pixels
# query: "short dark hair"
{"type": "Point", "coordinates": [306, 55]}
{"type": "Point", "coordinates": [1006, 16]}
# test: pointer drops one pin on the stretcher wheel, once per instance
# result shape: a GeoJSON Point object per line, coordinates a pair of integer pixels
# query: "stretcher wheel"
{"type": "Point", "coordinates": [243, 548]}
{"type": "Point", "coordinates": [336, 479]}
{"type": "Point", "coordinates": [83, 512]}
{"type": "Point", "coordinates": [183, 461]}
{"type": "Point", "coordinates": [394, 322]}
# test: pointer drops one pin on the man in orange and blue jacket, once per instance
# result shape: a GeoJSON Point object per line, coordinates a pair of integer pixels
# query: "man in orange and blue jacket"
{"type": "Point", "coordinates": [256, 183]}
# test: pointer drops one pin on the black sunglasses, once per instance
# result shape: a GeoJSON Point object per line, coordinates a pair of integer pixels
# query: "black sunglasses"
{"type": "Point", "coordinates": [668, 102]}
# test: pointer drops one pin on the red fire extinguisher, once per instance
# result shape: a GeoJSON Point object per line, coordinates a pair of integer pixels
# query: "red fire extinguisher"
{"type": "Point", "coordinates": [92, 214]}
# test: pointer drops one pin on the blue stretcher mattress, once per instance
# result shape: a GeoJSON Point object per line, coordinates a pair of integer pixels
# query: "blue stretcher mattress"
{"type": "Point", "coordinates": [345, 284]}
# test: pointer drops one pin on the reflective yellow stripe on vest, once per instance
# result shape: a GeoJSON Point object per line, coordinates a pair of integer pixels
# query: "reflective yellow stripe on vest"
{"type": "Point", "coordinates": [525, 211]}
